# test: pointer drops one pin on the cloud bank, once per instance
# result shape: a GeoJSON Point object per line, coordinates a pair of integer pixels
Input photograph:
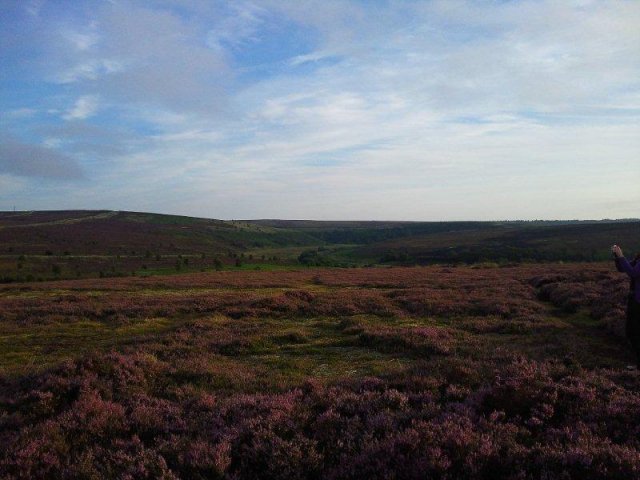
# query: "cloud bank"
{"type": "Point", "coordinates": [32, 161]}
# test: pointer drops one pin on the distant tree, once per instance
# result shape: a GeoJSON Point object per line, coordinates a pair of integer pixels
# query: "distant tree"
{"type": "Point", "coordinates": [55, 269]}
{"type": "Point", "coordinates": [238, 262]}
{"type": "Point", "coordinates": [217, 264]}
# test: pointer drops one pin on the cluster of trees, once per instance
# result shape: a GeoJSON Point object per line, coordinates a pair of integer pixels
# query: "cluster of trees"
{"type": "Point", "coordinates": [322, 257]}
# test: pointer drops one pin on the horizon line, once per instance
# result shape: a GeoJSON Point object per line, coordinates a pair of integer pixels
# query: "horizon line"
{"type": "Point", "coordinates": [275, 219]}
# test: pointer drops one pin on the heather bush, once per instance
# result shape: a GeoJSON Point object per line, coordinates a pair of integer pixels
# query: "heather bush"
{"type": "Point", "coordinates": [601, 293]}
{"type": "Point", "coordinates": [534, 419]}
{"type": "Point", "coordinates": [423, 341]}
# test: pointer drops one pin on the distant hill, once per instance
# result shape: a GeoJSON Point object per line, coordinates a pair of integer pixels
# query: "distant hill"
{"type": "Point", "coordinates": [467, 242]}
{"type": "Point", "coordinates": [76, 243]}
{"type": "Point", "coordinates": [582, 241]}
{"type": "Point", "coordinates": [110, 233]}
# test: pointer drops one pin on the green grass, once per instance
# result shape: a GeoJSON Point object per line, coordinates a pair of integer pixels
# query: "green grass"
{"type": "Point", "coordinates": [289, 350]}
{"type": "Point", "coordinates": [26, 350]}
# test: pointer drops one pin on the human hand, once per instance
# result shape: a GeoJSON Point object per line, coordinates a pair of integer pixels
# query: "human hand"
{"type": "Point", "coordinates": [616, 250]}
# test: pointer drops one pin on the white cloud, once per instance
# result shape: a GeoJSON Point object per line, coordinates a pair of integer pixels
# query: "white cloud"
{"type": "Point", "coordinates": [88, 70]}
{"type": "Point", "coordinates": [82, 41]}
{"type": "Point", "coordinates": [238, 27]}
{"type": "Point", "coordinates": [85, 107]}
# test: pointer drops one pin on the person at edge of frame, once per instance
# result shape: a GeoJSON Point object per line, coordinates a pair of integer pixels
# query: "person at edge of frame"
{"type": "Point", "coordinates": [631, 268]}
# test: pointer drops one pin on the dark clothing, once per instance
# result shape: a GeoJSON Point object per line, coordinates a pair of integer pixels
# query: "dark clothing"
{"type": "Point", "coordinates": [633, 303]}
{"type": "Point", "coordinates": [633, 270]}
{"type": "Point", "coordinates": [633, 326]}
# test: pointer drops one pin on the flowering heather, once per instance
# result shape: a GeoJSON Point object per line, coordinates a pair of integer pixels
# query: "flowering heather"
{"type": "Point", "coordinates": [600, 293]}
{"type": "Point", "coordinates": [444, 373]}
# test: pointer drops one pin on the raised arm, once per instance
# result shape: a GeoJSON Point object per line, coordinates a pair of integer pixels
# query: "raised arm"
{"type": "Point", "coordinates": [623, 265]}
{"type": "Point", "coordinates": [616, 251]}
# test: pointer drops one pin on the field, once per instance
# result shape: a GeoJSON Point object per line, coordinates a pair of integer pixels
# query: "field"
{"type": "Point", "coordinates": [443, 372]}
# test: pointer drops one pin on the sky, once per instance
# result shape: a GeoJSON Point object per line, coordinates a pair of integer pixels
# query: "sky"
{"type": "Point", "coordinates": [322, 109]}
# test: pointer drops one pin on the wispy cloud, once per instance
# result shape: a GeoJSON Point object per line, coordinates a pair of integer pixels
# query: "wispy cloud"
{"type": "Point", "coordinates": [238, 28]}
{"type": "Point", "coordinates": [85, 107]}
{"type": "Point", "coordinates": [92, 69]}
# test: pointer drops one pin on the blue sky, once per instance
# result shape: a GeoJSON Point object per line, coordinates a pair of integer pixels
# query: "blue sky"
{"type": "Point", "coordinates": [371, 110]}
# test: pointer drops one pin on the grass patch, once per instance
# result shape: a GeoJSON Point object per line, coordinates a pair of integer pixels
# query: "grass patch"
{"type": "Point", "coordinates": [40, 346]}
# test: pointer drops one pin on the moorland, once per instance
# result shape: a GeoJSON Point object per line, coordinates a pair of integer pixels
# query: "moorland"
{"type": "Point", "coordinates": [283, 349]}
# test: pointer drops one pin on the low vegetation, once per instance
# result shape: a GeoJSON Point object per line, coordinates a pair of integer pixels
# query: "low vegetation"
{"type": "Point", "coordinates": [443, 372]}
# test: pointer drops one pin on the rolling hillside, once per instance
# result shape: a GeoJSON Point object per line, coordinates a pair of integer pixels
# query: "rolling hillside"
{"type": "Point", "coordinates": [111, 233]}
{"type": "Point", "coordinates": [506, 242]}
{"type": "Point", "coordinates": [79, 244]}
